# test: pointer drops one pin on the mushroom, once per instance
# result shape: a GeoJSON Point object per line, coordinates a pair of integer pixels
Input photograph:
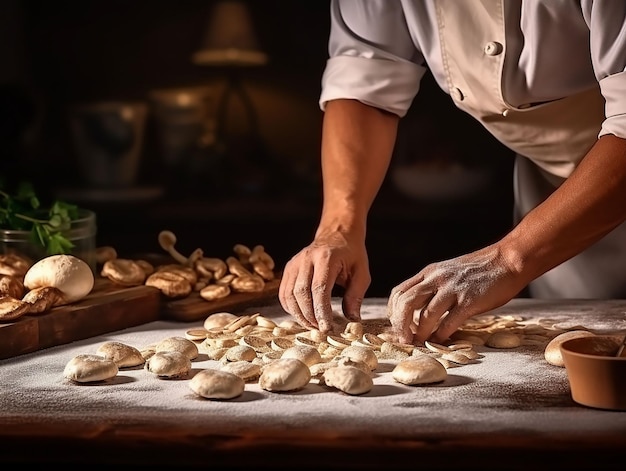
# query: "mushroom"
{"type": "Point", "coordinates": [167, 240]}
{"type": "Point", "coordinates": [70, 274]}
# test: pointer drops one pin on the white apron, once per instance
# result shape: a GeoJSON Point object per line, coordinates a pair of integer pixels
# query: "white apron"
{"type": "Point", "coordinates": [549, 139]}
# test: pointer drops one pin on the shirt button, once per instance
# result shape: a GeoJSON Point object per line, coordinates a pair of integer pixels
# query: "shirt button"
{"type": "Point", "coordinates": [493, 48]}
{"type": "Point", "coordinates": [457, 94]}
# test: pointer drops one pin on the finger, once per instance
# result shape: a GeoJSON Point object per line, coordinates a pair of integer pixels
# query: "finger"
{"type": "Point", "coordinates": [400, 312]}
{"type": "Point", "coordinates": [287, 296]}
{"type": "Point", "coordinates": [450, 323]}
{"type": "Point", "coordinates": [353, 297]}
{"type": "Point", "coordinates": [321, 287]}
{"type": "Point", "coordinates": [431, 315]}
{"type": "Point", "coordinates": [304, 297]}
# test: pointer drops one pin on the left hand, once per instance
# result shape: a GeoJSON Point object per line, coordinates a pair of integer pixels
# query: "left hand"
{"type": "Point", "coordinates": [449, 292]}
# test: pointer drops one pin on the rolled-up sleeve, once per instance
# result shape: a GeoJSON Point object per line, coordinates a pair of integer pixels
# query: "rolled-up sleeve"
{"type": "Point", "coordinates": [607, 24]}
{"type": "Point", "coordinates": [372, 56]}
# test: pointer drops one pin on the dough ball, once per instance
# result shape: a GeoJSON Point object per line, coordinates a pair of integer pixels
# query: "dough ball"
{"type": "Point", "coordinates": [70, 274]}
{"type": "Point", "coordinates": [217, 384]}
{"type": "Point", "coordinates": [349, 379]}
{"type": "Point", "coordinates": [123, 355]}
{"type": "Point", "coordinates": [169, 364]}
{"type": "Point", "coordinates": [503, 339]}
{"type": "Point", "coordinates": [219, 320]}
{"type": "Point", "coordinates": [307, 354]}
{"type": "Point", "coordinates": [364, 354]}
{"type": "Point", "coordinates": [419, 370]}
{"type": "Point", "coordinates": [178, 344]}
{"type": "Point", "coordinates": [244, 369]}
{"type": "Point", "coordinates": [552, 352]}
{"type": "Point", "coordinates": [87, 368]}
{"type": "Point", "coordinates": [285, 374]}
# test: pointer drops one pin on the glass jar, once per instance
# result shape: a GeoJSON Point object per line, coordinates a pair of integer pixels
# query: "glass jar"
{"type": "Point", "coordinates": [82, 233]}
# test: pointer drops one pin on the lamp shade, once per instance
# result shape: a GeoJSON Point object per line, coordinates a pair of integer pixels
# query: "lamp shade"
{"type": "Point", "coordinates": [230, 39]}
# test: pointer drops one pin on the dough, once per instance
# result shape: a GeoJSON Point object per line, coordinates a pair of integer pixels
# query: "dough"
{"type": "Point", "coordinates": [306, 353]}
{"type": "Point", "coordinates": [169, 364]}
{"type": "Point", "coordinates": [86, 368]}
{"type": "Point", "coordinates": [503, 339]}
{"type": "Point", "coordinates": [244, 369]}
{"type": "Point", "coordinates": [419, 370]}
{"type": "Point", "coordinates": [348, 379]}
{"type": "Point", "coordinates": [217, 384]}
{"type": "Point", "coordinates": [364, 354]}
{"type": "Point", "coordinates": [219, 320]}
{"type": "Point", "coordinates": [123, 355]}
{"type": "Point", "coordinates": [68, 273]}
{"type": "Point", "coordinates": [178, 344]}
{"type": "Point", "coordinates": [285, 374]}
{"type": "Point", "coordinates": [552, 352]}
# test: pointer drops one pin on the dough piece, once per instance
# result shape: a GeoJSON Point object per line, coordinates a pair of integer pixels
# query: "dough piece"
{"type": "Point", "coordinates": [214, 291]}
{"type": "Point", "coordinates": [244, 369]}
{"type": "Point", "coordinates": [219, 320]}
{"type": "Point", "coordinates": [419, 370]}
{"type": "Point", "coordinates": [307, 354]}
{"type": "Point", "coordinates": [217, 384]}
{"type": "Point", "coordinates": [87, 368]}
{"type": "Point", "coordinates": [123, 355]}
{"type": "Point", "coordinates": [43, 299]}
{"type": "Point", "coordinates": [503, 339]}
{"type": "Point", "coordinates": [11, 308]}
{"type": "Point", "coordinates": [124, 272]}
{"type": "Point", "coordinates": [14, 265]}
{"type": "Point", "coordinates": [11, 286]}
{"type": "Point", "coordinates": [363, 354]}
{"type": "Point", "coordinates": [319, 369]}
{"type": "Point", "coordinates": [68, 273]}
{"type": "Point", "coordinates": [348, 379]}
{"type": "Point", "coordinates": [240, 353]}
{"type": "Point", "coordinates": [552, 352]}
{"type": "Point", "coordinates": [285, 374]}
{"type": "Point", "coordinates": [169, 364]}
{"type": "Point", "coordinates": [172, 285]}
{"type": "Point", "coordinates": [178, 344]}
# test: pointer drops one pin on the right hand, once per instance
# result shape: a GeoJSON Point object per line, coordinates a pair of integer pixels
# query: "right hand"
{"type": "Point", "coordinates": [309, 277]}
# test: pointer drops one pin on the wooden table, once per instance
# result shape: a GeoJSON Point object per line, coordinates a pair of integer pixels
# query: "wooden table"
{"type": "Point", "coordinates": [509, 410]}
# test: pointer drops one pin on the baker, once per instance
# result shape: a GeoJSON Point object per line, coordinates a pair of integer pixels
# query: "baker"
{"type": "Point", "coordinates": [547, 79]}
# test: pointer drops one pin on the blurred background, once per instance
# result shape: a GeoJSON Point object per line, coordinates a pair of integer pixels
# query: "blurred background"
{"type": "Point", "coordinates": [202, 117]}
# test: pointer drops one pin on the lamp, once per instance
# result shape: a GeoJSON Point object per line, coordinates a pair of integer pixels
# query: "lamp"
{"type": "Point", "coordinates": [230, 43]}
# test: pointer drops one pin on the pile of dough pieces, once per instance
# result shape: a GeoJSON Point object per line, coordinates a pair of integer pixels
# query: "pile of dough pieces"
{"type": "Point", "coordinates": [285, 357]}
{"type": "Point", "coordinates": [247, 270]}
{"type": "Point", "coordinates": [35, 288]}
{"type": "Point", "coordinates": [279, 357]}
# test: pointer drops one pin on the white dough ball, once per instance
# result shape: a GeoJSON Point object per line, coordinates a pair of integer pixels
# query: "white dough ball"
{"type": "Point", "coordinates": [70, 274]}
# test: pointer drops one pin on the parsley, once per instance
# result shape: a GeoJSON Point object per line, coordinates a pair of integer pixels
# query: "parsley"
{"type": "Point", "coordinates": [22, 211]}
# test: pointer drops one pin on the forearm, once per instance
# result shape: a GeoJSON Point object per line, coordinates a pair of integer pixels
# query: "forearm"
{"type": "Point", "coordinates": [357, 144]}
{"type": "Point", "coordinates": [587, 206]}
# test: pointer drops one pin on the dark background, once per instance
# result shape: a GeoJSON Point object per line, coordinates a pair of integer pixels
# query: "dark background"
{"type": "Point", "coordinates": [55, 55]}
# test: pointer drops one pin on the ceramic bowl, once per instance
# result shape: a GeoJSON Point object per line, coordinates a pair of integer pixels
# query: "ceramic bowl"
{"type": "Point", "coordinates": [597, 378]}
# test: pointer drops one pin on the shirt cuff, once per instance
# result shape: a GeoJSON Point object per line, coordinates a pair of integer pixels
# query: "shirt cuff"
{"type": "Point", "coordinates": [613, 89]}
{"type": "Point", "coordinates": [384, 84]}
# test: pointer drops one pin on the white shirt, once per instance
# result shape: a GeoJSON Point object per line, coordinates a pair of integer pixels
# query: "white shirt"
{"type": "Point", "coordinates": [380, 49]}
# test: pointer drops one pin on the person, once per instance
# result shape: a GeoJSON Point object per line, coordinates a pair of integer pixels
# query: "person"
{"type": "Point", "coordinates": [547, 79]}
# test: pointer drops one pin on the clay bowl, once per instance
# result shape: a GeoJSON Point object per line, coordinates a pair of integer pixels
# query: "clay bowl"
{"type": "Point", "coordinates": [597, 378]}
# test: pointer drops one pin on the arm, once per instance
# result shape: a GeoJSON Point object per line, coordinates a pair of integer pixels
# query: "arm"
{"type": "Point", "coordinates": [588, 205]}
{"type": "Point", "coordinates": [357, 144]}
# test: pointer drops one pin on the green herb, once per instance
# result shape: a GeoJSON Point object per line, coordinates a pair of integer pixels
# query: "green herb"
{"type": "Point", "coordinates": [22, 211]}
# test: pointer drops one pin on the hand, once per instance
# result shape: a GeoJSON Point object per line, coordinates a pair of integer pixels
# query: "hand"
{"type": "Point", "coordinates": [309, 277]}
{"type": "Point", "coordinates": [447, 293]}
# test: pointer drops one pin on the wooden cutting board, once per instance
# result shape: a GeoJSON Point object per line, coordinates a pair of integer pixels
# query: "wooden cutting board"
{"type": "Point", "coordinates": [194, 308]}
{"type": "Point", "coordinates": [107, 308]}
